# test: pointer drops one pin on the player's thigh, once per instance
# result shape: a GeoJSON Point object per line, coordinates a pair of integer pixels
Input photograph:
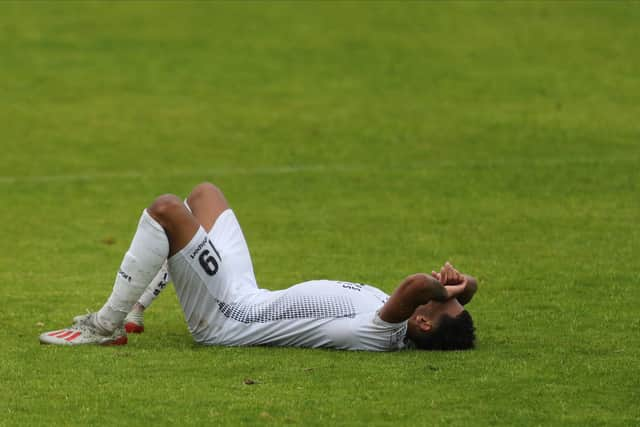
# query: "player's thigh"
{"type": "Point", "coordinates": [227, 236]}
{"type": "Point", "coordinates": [199, 304]}
{"type": "Point", "coordinates": [200, 261]}
{"type": "Point", "coordinates": [207, 276]}
{"type": "Point", "coordinates": [219, 259]}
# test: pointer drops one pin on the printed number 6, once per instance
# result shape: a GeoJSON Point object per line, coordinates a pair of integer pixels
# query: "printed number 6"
{"type": "Point", "coordinates": [208, 262]}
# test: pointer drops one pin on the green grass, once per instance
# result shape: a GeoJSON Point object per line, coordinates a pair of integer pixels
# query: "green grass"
{"type": "Point", "coordinates": [356, 141]}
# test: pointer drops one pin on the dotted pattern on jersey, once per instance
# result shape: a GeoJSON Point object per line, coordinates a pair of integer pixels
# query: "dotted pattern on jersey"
{"type": "Point", "coordinates": [290, 307]}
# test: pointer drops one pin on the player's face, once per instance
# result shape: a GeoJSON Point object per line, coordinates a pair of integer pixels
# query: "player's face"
{"type": "Point", "coordinates": [427, 316]}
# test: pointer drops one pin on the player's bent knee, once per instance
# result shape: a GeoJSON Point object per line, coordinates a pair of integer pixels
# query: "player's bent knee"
{"type": "Point", "coordinates": [165, 208]}
{"type": "Point", "coordinates": [205, 190]}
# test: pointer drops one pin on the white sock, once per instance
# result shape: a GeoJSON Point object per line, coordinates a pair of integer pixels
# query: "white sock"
{"type": "Point", "coordinates": [159, 282]}
{"type": "Point", "coordinates": [148, 251]}
{"type": "Point", "coordinates": [155, 287]}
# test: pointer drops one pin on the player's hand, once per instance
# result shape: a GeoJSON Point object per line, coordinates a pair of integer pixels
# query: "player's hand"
{"type": "Point", "coordinates": [454, 290]}
{"type": "Point", "coordinates": [449, 275]}
{"type": "Point", "coordinates": [436, 276]}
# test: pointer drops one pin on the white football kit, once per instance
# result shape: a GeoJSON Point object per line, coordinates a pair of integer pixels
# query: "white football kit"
{"type": "Point", "coordinates": [213, 277]}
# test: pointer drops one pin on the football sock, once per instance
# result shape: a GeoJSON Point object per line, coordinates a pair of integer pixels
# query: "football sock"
{"type": "Point", "coordinates": [159, 282]}
{"type": "Point", "coordinates": [155, 287]}
{"type": "Point", "coordinates": [148, 251]}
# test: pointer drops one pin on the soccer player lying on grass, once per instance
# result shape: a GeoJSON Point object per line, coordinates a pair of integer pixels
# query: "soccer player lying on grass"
{"type": "Point", "coordinates": [201, 242]}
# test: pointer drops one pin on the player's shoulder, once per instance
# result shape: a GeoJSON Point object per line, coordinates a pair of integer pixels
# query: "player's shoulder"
{"type": "Point", "coordinates": [370, 332]}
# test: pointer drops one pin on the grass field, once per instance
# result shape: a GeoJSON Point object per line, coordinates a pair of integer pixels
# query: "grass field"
{"type": "Point", "coordinates": [355, 141]}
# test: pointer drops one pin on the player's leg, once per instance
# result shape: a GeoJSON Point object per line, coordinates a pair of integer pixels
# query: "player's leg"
{"type": "Point", "coordinates": [174, 225]}
{"type": "Point", "coordinates": [215, 269]}
{"type": "Point", "coordinates": [206, 202]}
{"type": "Point", "coordinates": [210, 207]}
{"type": "Point", "coordinates": [164, 229]}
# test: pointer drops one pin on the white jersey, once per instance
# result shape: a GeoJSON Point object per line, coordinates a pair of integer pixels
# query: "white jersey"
{"type": "Point", "coordinates": [319, 313]}
{"type": "Point", "coordinates": [214, 280]}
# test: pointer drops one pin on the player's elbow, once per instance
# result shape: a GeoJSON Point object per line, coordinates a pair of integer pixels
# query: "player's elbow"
{"type": "Point", "coordinates": [472, 283]}
{"type": "Point", "coordinates": [470, 290]}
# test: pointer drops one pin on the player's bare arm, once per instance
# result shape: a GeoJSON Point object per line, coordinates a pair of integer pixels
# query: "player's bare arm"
{"type": "Point", "coordinates": [416, 290]}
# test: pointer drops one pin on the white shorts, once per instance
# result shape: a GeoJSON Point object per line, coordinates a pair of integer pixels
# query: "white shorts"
{"type": "Point", "coordinates": [213, 267]}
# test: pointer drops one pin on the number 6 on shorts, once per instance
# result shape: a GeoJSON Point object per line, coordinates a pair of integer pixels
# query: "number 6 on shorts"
{"type": "Point", "coordinates": [208, 261]}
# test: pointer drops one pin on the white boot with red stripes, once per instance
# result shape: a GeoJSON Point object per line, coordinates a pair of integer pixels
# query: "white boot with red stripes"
{"type": "Point", "coordinates": [84, 331]}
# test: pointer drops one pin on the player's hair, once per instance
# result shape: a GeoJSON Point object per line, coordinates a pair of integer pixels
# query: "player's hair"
{"type": "Point", "coordinates": [452, 333]}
